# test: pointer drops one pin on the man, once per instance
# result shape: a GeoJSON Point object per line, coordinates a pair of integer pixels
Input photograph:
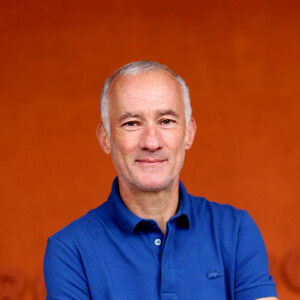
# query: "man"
{"type": "Point", "coordinates": [151, 239]}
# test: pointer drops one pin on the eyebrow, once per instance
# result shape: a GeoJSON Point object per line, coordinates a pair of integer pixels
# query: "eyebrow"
{"type": "Point", "coordinates": [169, 112]}
{"type": "Point", "coordinates": [159, 113]}
{"type": "Point", "coordinates": [127, 115]}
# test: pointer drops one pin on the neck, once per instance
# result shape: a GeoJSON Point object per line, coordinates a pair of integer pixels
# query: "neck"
{"type": "Point", "coordinates": [159, 206]}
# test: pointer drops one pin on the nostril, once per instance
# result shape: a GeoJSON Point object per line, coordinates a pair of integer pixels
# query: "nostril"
{"type": "Point", "coordinates": [151, 142]}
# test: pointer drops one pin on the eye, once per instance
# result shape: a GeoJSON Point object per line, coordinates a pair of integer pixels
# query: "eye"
{"type": "Point", "coordinates": [131, 124]}
{"type": "Point", "coordinates": [167, 122]}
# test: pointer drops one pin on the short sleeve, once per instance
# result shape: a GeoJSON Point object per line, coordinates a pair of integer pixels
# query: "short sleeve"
{"type": "Point", "coordinates": [63, 272]}
{"type": "Point", "coordinates": [252, 278]}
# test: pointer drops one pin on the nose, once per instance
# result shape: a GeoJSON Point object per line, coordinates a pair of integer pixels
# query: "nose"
{"type": "Point", "coordinates": [151, 139]}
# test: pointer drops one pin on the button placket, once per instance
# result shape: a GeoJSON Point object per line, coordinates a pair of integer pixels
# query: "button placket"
{"type": "Point", "coordinates": [168, 284]}
{"type": "Point", "coordinates": [155, 238]}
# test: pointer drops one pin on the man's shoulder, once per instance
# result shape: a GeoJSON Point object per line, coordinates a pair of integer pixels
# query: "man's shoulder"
{"type": "Point", "coordinates": [218, 213]}
{"type": "Point", "coordinates": [223, 222]}
{"type": "Point", "coordinates": [81, 228]}
{"type": "Point", "coordinates": [204, 205]}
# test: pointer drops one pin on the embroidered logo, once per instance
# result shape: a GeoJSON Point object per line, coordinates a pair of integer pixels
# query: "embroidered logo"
{"type": "Point", "coordinates": [214, 274]}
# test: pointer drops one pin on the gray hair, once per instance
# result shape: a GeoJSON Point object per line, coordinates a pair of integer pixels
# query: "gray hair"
{"type": "Point", "coordinates": [135, 68]}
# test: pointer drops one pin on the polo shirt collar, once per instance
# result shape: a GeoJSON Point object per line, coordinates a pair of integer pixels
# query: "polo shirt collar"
{"type": "Point", "coordinates": [128, 221]}
{"type": "Point", "coordinates": [184, 211]}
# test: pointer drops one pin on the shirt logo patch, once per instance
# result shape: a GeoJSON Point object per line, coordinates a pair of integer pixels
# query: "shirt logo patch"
{"type": "Point", "coordinates": [214, 274]}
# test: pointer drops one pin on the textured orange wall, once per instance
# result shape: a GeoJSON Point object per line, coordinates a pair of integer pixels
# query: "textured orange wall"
{"type": "Point", "coordinates": [241, 62]}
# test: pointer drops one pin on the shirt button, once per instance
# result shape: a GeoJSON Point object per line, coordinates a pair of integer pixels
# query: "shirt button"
{"type": "Point", "coordinates": [157, 242]}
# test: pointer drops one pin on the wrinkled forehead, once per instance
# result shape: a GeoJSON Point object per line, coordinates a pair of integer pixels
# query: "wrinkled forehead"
{"type": "Point", "coordinates": [145, 88]}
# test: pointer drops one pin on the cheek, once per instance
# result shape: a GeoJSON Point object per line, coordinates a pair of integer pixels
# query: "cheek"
{"type": "Point", "coordinates": [175, 142]}
{"type": "Point", "coordinates": [126, 145]}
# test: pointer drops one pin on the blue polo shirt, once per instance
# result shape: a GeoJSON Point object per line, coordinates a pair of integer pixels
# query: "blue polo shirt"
{"type": "Point", "coordinates": [209, 251]}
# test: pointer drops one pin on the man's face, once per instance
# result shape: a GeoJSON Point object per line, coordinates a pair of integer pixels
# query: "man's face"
{"type": "Point", "coordinates": [148, 130]}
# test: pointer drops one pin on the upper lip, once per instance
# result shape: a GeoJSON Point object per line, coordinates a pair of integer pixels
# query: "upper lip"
{"type": "Point", "coordinates": [150, 160]}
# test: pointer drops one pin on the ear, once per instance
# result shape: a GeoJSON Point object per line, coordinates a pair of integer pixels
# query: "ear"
{"type": "Point", "coordinates": [190, 134]}
{"type": "Point", "coordinates": [103, 139]}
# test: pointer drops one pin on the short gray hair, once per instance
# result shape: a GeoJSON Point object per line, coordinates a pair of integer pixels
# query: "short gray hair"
{"type": "Point", "coordinates": [135, 68]}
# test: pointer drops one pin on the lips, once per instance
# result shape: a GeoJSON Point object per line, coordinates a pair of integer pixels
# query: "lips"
{"type": "Point", "coordinates": [151, 161]}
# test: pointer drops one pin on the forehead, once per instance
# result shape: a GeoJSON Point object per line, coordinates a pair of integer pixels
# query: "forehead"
{"type": "Point", "coordinates": [155, 89]}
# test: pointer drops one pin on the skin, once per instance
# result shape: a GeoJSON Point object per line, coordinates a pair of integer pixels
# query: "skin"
{"type": "Point", "coordinates": [148, 141]}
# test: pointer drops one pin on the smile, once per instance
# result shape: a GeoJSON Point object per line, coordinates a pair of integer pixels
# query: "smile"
{"type": "Point", "coordinates": [150, 162]}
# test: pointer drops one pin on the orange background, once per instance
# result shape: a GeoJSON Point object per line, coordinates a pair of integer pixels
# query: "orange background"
{"type": "Point", "coordinates": [241, 62]}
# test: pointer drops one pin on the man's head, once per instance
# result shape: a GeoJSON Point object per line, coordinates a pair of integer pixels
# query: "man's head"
{"type": "Point", "coordinates": [135, 68]}
{"type": "Point", "coordinates": [150, 126]}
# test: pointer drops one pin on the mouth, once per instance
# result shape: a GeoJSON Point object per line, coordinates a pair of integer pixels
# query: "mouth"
{"type": "Point", "coordinates": [150, 162]}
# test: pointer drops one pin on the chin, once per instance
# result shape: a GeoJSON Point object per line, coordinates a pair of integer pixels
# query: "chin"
{"type": "Point", "coordinates": [153, 184]}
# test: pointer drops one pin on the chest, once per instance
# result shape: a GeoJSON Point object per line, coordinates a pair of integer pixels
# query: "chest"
{"type": "Point", "coordinates": [147, 265]}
